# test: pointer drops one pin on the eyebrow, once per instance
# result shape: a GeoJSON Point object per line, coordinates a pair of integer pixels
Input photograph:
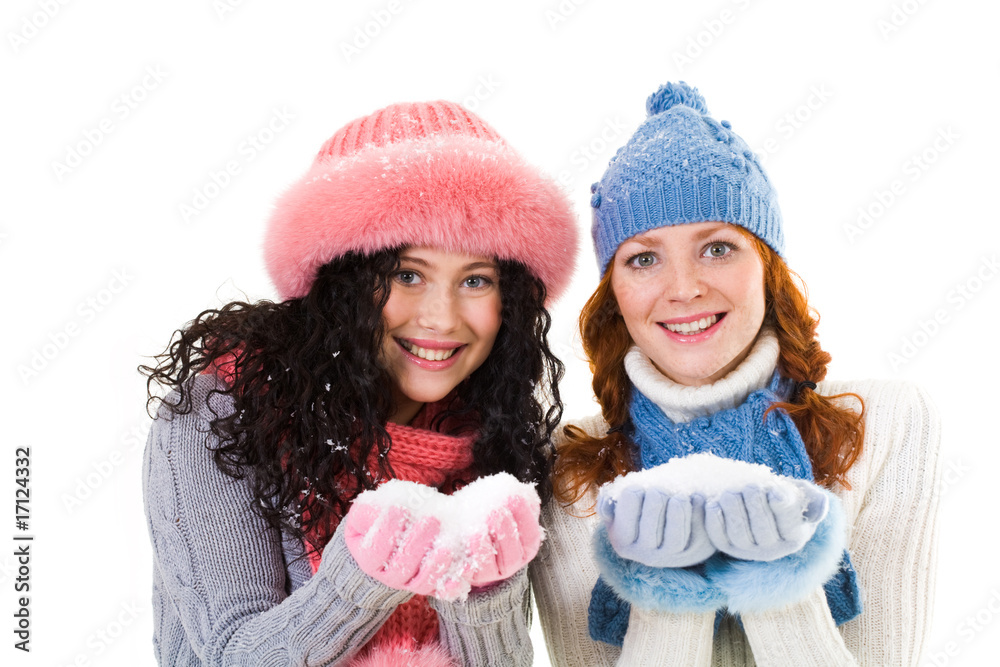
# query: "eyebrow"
{"type": "Point", "coordinates": [643, 240]}
{"type": "Point", "coordinates": [714, 229]}
{"type": "Point", "coordinates": [650, 242]}
{"type": "Point", "coordinates": [472, 266]}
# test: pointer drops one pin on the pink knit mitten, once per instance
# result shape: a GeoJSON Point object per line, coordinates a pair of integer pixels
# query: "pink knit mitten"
{"type": "Point", "coordinates": [411, 537]}
{"type": "Point", "coordinates": [508, 542]}
{"type": "Point", "coordinates": [392, 546]}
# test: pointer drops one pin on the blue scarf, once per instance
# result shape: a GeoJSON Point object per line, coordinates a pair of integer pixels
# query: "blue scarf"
{"type": "Point", "coordinates": [741, 433]}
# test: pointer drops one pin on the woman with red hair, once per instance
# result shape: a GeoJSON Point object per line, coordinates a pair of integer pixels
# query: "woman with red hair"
{"type": "Point", "coordinates": [728, 506]}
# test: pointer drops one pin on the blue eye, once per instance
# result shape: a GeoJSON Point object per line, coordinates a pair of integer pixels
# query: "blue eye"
{"type": "Point", "coordinates": [407, 277]}
{"type": "Point", "coordinates": [477, 282]}
{"type": "Point", "coordinates": [642, 260]}
{"type": "Point", "coordinates": [718, 249]}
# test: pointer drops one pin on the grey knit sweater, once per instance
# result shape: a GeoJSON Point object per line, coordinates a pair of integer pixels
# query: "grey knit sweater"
{"type": "Point", "coordinates": [229, 590]}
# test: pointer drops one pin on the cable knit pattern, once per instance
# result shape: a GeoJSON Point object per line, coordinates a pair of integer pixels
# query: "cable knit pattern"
{"type": "Point", "coordinates": [229, 590]}
{"type": "Point", "coordinates": [743, 433]}
{"type": "Point", "coordinates": [890, 510]}
{"type": "Point", "coordinates": [484, 633]}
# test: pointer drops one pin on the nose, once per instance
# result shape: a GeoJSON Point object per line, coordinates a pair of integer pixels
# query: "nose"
{"type": "Point", "coordinates": [683, 281]}
{"type": "Point", "coordinates": [438, 311]}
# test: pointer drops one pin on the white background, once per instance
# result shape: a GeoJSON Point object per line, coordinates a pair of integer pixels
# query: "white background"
{"type": "Point", "coordinates": [565, 83]}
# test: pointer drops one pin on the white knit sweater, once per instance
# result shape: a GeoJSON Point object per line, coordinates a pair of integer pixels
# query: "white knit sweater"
{"type": "Point", "coordinates": [891, 511]}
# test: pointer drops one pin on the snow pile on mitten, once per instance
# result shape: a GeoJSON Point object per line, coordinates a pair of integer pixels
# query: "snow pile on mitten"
{"type": "Point", "coordinates": [464, 517]}
{"type": "Point", "coordinates": [711, 477]}
{"type": "Point", "coordinates": [705, 474]}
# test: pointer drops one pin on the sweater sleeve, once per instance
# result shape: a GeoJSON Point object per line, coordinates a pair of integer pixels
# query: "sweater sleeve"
{"type": "Point", "coordinates": [893, 504]}
{"type": "Point", "coordinates": [895, 531]}
{"type": "Point", "coordinates": [667, 638]}
{"type": "Point", "coordinates": [562, 575]}
{"type": "Point", "coordinates": [489, 627]}
{"type": "Point", "coordinates": [220, 568]}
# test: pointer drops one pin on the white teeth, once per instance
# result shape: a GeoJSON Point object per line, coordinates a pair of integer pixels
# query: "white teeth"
{"type": "Point", "coordinates": [695, 327]}
{"type": "Point", "coordinates": [429, 355]}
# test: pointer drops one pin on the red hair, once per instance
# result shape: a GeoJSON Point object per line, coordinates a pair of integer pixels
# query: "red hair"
{"type": "Point", "coordinates": [832, 434]}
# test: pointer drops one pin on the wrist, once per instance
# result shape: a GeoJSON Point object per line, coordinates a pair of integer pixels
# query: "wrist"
{"type": "Point", "coordinates": [351, 583]}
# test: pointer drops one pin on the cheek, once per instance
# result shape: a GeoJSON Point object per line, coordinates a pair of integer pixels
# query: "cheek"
{"type": "Point", "coordinates": [750, 290]}
{"type": "Point", "coordinates": [396, 312]}
{"type": "Point", "coordinates": [484, 317]}
{"type": "Point", "coordinates": [633, 302]}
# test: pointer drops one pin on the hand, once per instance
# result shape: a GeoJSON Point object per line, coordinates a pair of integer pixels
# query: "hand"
{"type": "Point", "coordinates": [765, 524]}
{"type": "Point", "coordinates": [656, 529]}
{"type": "Point", "coordinates": [411, 537]}
{"type": "Point", "coordinates": [391, 546]}
{"type": "Point", "coordinates": [508, 543]}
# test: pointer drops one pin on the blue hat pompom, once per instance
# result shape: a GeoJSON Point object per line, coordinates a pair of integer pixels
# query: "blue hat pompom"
{"type": "Point", "coordinates": [671, 94]}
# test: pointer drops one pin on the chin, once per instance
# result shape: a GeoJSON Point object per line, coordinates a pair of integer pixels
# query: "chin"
{"type": "Point", "coordinates": [427, 394]}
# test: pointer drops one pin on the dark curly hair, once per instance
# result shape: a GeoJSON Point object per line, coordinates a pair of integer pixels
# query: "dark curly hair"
{"type": "Point", "coordinates": [306, 371]}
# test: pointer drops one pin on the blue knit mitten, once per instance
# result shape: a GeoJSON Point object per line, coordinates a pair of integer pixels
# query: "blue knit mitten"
{"type": "Point", "coordinates": [758, 585]}
{"type": "Point", "coordinates": [656, 528]}
{"type": "Point", "coordinates": [765, 523]}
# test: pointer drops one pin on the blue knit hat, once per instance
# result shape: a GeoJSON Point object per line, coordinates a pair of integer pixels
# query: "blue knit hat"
{"type": "Point", "coordinates": [682, 166]}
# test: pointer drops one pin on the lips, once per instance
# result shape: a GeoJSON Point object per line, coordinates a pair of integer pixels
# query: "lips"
{"type": "Point", "coordinates": [429, 354]}
{"type": "Point", "coordinates": [693, 328]}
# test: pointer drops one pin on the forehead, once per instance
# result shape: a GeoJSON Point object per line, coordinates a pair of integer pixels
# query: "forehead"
{"type": "Point", "coordinates": [693, 231]}
{"type": "Point", "coordinates": [440, 258]}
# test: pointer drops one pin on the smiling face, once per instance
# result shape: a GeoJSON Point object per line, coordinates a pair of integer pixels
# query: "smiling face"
{"type": "Point", "coordinates": [692, 297]}
{"type": "Point", "coordinates": [441, 320]}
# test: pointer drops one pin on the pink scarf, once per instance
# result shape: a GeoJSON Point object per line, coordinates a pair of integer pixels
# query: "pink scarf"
{"type": "Point", "coordinates": [409, 637]}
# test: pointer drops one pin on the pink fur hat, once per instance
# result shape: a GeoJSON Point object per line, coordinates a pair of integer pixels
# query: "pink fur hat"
{"type": "Point", "coordinates": [418, 174]}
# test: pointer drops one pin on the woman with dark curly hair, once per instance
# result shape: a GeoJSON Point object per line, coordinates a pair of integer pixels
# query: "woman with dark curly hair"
{"type": "Point", "coordinates": [728, 506]}
{"type": "Point", "coordinates": [347, 476]}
